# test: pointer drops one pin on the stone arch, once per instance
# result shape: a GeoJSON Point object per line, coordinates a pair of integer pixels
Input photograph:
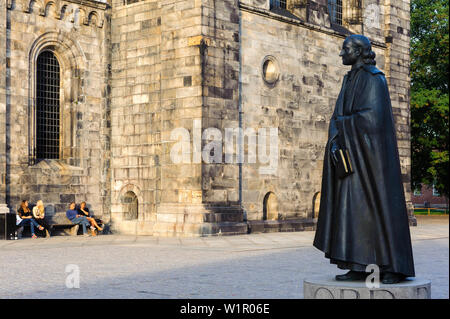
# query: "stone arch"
{"type": "Point", "coordinates": [17, 5]}
{"type": "Point", "coordinates": [64, 12]}
{"type": "Point", "coordinates": [52, 9]}
{"type": "Point", "coordinates": [94, 19]}
{"type": "Point", "coordinates": [126, 192]}
{"type": "Point", "coordinates": [21, 5]}
{"type": "Point", "coordinates": [81, 17]}
{"type": "Point", "coordinates": [73, 68]}
{"type": "Point", "coordinates": [71, 15]}
{"type": "Point", "coordinates": [270, 206]}
{"type": "Point", "coordinates": [26, 5]}
{"type": "Point", "coordinates": [76, 16]}
{"type": "Point", "coordinates": [36, 6]}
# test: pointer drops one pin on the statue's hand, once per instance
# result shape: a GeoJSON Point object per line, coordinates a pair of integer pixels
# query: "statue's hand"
{"type": "Point", "coordinates": [334, 149]}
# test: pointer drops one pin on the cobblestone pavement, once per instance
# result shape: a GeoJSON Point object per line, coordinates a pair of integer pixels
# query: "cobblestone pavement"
{"type": "Point", "coordinates": [249, 266]}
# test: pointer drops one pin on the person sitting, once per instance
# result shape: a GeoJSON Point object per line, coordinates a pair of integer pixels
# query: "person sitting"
{"type": "Point", "coordinates": [27, 219]}
{"type": "Point", "coordinates": [75, 218]}
{"type": "Point", "coordinates": [39, 217]}
{"type": "Point", "coordinates": [84, 211]}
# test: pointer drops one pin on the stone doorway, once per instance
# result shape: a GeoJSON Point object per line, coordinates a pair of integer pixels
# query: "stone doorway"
{"type": "Point", "coordinates": [270, 207]}
{"type": "Point", "coordinates": [130, 206]}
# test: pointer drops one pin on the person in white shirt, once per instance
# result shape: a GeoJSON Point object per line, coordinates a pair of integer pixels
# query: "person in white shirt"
{"type": "Point", "coordinates": [39, 217]}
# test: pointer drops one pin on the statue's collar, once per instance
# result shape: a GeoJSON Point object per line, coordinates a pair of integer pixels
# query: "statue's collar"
{"type": "Point", "coordinates": [356, 67]}
{"type": "Point", "coordinates": [354, 70]}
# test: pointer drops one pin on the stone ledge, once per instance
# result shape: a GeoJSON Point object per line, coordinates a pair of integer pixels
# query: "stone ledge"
{"type": "Point", "coordinates": [287, 225]}
{"type": "Point", "coordinates": [325, 287]}
{"type": "Point", "coordinates": [299, 22]}
{"type": "Point", "coordinates": [199, 229]}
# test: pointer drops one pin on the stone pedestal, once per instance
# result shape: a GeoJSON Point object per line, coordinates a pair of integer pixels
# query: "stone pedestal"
{"type": "Point", "coordinates": [4, 209]}
{"type": "Point", "coordinates": [326, 287]}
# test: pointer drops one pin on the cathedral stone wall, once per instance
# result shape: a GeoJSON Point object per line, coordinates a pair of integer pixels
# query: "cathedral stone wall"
{"type": "Point", "coordinates": [300, 104]}
{"type": "Point", "coordinates": [135, 111]}
{"type": "Point", "coordinates": [75, 31]}
{"type": "Point", "coordinates": [397, 37]}
{"type": "Point", "coordinates": [142, 78]}
{"type": "Point", "coordinates": [157, 73]}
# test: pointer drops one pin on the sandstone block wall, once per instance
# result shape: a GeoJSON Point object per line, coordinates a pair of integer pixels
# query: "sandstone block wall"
{"type": "Point", "coordinates": [397, 37]}
{"type": "Point", "coordinates": [133, 71]}
{"type": "Point", "coordinates": [157, 87]}
{"type": "Point", "coordinates": [301, 103]}
{"type": "Point", "coordinates": [77, 33]}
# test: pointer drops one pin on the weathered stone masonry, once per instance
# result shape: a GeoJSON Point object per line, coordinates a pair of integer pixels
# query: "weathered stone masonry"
{"type": "Point", "coordinates": [76, 31]}
{"type": "Point", "coordinates": [134, 70]}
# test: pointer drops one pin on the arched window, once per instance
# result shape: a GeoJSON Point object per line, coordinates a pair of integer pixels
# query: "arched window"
{"type": "Point", "coordinates": [47, 106]}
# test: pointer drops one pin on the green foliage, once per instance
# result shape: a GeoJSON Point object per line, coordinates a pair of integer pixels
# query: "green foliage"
{"type": "Point", "coordinates": [429, 93]}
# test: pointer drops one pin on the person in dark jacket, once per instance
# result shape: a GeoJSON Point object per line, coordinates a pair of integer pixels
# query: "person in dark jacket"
{"type": "Point", "coordinates": [363, 218]}
{"type": "Point", "coordinates": [74, 217]}
{"type": "Point", "coordinates": [26, 219]}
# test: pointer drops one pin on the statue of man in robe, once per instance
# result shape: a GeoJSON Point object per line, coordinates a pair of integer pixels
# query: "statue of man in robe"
{"type": "Point", "coordinates": [363, 217]}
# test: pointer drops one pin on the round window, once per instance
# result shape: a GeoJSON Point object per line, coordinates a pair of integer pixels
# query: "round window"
{"type": "Point", "coordinates": [270, 70]}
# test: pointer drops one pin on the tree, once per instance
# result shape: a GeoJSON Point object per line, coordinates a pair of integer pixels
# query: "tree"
{"type": "Point", "coordinates": [429, 94]}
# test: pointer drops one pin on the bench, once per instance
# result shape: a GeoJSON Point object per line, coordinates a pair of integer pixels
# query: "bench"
{"type": "Point", "coordinates": [74, 229]}
{"type": "Point", "coordinates": [66, 228]}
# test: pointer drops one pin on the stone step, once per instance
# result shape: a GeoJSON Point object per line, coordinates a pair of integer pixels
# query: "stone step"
{"type": "Point", "coordinates": [270, 226]}
{"type": "Point", "coordinates": [199, 229]}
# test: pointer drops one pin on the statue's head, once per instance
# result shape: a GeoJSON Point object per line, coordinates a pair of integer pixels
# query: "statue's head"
{"type": "Point", "coordinates": [357, 49]}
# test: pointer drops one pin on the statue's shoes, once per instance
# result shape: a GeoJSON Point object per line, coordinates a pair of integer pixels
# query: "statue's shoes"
{"type": "Point", "coordinates": [351, 275]}
{"type": "Point", "coordinates": [390, 278]}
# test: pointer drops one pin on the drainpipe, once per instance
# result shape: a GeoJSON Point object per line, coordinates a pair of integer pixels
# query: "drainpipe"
{"type": "Point", "coordinates": [362, 17]}
{"type": "Point", "coordinates": [241, 137]}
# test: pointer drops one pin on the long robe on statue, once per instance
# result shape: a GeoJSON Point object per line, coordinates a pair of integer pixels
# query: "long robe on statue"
{"type": "Point", "coordinates": [363, 217]}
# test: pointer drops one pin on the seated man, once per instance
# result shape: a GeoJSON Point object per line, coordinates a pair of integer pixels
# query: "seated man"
{"type": "Point", "coordinates": [75, 218]}
{"type": "Point", "coordinates": [84, 211]}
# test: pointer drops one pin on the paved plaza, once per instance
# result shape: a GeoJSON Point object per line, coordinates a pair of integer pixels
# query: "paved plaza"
{"type": "Point", "coordinates": [269, 265]}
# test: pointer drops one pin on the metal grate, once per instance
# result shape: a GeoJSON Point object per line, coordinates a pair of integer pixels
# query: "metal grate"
{"type": "Point", "coordinates": [278, 4]}
{"type": "Point", "coordinates": [335, 11]}
{"type": "Point", "coordinates": [47, 106]}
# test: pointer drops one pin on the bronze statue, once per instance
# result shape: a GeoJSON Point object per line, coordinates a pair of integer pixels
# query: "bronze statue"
{"type": "Point", "coordinates": [363, 218]}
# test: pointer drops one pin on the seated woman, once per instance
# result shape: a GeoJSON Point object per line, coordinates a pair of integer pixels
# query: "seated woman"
{"type": "Point", "coordinates": [39, 217]}
{"type": "Point", "coordinates": [83, 210]}
{"type": "Point", "coordinates": [76, 218]}
{"type": "Point", "coordinates": [27, 219]}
